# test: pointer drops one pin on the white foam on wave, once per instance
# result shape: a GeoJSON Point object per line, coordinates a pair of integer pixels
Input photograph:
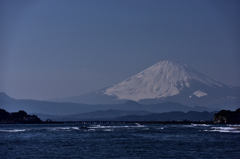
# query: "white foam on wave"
{"type": "Point", "coordinates": [116, 127]}
{"type": "Point", "coordinates": [196, 125]}
{"type": "Point", "coordinates": [234, 125]}
{"type": "Point", "coordinates": [225, 129]}
{"type": "Point", "coordinates": [14, 130]}
{"type": "Point", "coordinates": [108, 130]}
{"type": "Point", "coordinates": [90, 130]}
{"type": "Point", "coordinates": [58, 128]}
{"type": "Point", "coordinates": [104, 127]}
{"type": "Point", "coordinates": [199, 125]}
{"type": "Point", "coordinates": [63, 128]}
{"type": "Point", "coordinates": [188, 126]}
{"type": "Point", "coordinates": [75, 128]}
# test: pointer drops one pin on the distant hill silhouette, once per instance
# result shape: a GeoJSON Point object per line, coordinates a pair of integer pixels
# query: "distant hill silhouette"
{"type": "Point", "coordinates": [170, 116]}
{"type": "Point", "coordinates": [54, 108]}
{"type": "Point", "coordinates": [93, 116]}
{"type": "Point", "coordinates": [121, 115]}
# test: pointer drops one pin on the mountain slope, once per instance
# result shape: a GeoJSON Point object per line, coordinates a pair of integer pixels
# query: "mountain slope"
{"type": "Point", "coordinates": [164, 79]}
{"type": "Point", "coordinates": [163, 82]}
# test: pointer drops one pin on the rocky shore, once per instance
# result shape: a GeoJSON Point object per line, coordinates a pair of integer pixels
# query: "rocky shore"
{"type": "Point", "coordinates": [227, 117]}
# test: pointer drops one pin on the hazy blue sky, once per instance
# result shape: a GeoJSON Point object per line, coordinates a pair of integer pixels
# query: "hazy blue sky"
{"type": "Point", "coordinates": [54, 48]}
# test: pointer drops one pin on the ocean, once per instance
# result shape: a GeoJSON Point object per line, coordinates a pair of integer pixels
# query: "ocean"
{"type": "Point", "coordinates": [19, 141]}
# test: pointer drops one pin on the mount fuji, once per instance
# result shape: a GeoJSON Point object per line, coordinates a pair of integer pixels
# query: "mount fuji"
{"type": "Point", "coordinates": [165, 81]}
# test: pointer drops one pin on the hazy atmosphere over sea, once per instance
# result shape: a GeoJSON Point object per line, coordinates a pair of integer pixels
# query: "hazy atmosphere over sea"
{"type": "Point", "coordinates": [53, 49]}
{"type": "Point", "coordinates": [119, 79]}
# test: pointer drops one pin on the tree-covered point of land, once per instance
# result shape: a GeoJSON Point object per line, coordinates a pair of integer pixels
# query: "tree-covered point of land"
{"type": "Point", "coordinates": [17, 117]}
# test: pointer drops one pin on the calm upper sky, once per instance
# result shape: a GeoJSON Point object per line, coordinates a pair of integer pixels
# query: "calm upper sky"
{"type": "Point", "coordinates": [61, 48]}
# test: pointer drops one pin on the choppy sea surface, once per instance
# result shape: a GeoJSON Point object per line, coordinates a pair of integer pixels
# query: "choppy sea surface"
{"type": "Point", "coordinates": [119, 141]}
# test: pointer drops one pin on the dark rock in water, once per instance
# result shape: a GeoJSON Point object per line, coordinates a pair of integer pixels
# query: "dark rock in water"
{"type": "Point", "coordinates": [227, 117]}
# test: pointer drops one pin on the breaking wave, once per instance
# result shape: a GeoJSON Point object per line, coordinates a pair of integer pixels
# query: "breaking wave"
{"type": "Point", "coordinates": [14, 130]}
{"type": "Point", "coordinates": [228, 129]}
{"type": "Point", "coordinates": [137, 125]}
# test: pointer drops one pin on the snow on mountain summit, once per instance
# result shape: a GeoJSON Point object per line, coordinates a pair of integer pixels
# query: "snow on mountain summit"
{"type": "Point", "coordinates": [164, 79]}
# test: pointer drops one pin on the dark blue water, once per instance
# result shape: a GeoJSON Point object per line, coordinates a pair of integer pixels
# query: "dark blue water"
{"type": "Point", "coordinates": [119, 141]}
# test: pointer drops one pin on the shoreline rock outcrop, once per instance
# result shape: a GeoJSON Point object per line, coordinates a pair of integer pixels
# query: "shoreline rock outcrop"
{"type": "Point", "coordinates": [227, 117]}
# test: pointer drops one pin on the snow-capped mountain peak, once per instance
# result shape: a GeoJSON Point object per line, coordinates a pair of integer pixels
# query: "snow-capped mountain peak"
{"type": "Point", "coordinates": [164, 79]}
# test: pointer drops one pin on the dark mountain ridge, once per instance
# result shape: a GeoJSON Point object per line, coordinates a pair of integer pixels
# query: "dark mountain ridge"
{"type": "Point", "coordinates": [54, 108]}
{"type": "Point", "coordinates": [170, 116]}
{"type": "Point", "coordinates": [92, 116]}
{"type": "Point", "coordinates": [121, 115]}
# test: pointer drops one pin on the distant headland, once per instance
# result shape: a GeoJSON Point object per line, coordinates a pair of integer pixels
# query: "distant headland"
{"type": "Point", "coordinates": [227, 117]}
{"type": "Point", "coordinates": [20, 117]}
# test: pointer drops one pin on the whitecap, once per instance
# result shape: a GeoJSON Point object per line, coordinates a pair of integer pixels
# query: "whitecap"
{"type": "Point", "coordinates": [116, 127]}
{"type": "Point", "coordinates": [90, 130]}
{"type": "Point", "coordinates": [199, 125]}
{"type": "Point", "coordinates": [75, 128]}
{"type": "Point", "coordinates": [108, 130]}
{"type": "Point", "coordinates": [104, 127]}
{"type": "Point", "coordinates": [64, 128]}
{"type": "Point", "coordinates": [59, 128]}
{"type": "Point", "coordinates": [234, 125]}
{"type": "Point", "coordinates": [14, 130]}
{"type": "Point", "coordinates": [225, 129]}
{"type": "Point", "coordinates": [188, 126]}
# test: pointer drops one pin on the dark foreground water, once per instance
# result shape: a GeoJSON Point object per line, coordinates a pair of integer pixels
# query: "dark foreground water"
{"type": "Point", "coordinates": [120, 141]}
